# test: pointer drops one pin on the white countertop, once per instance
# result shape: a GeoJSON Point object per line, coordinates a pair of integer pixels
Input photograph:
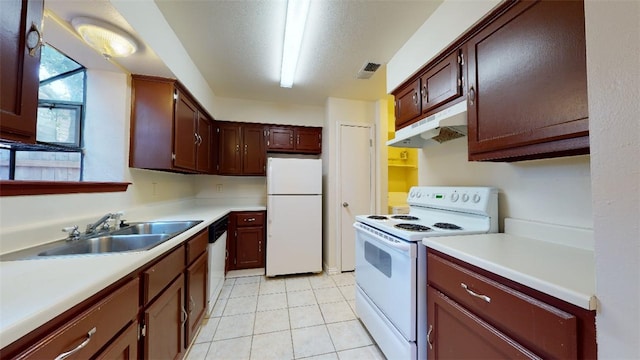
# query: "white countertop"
{"type": "Point", "coordinates": [33, 292]}
{"type": "Point", "coordinates": [565, 272]}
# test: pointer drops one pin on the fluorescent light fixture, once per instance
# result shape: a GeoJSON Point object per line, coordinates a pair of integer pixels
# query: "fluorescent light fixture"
{"type": "Point", "coordinates": [107, 39]}
{"type": "Point", "coordinates": [297, 11]}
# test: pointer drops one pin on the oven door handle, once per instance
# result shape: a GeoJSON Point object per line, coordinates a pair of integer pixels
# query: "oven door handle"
{"type": "Point", "coordinates": [383, 239]}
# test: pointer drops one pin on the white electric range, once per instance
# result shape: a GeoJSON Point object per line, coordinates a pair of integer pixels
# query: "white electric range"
{"type": "Point", "coordinates": [391, 272]}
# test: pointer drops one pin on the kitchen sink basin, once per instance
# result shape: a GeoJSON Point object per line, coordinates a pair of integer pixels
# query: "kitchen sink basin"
{"type": "Point", "coordinates": [108, 244]}
{"type": "Point", "coordinates": [156, 227]}
{"type": "Point", "coordinates": [138, 236]}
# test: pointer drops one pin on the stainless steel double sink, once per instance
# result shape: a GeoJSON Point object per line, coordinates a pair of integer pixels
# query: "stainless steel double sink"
{"type": "Point", "coordinates": [133, 237]}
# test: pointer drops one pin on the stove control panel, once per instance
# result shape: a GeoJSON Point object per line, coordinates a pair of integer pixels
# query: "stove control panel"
{"type": "Point", "coordinates": [480, 200]}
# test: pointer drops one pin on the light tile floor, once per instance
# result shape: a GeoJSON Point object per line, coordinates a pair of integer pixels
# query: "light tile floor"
{"type": "Point", "coordinates": [287, 317]}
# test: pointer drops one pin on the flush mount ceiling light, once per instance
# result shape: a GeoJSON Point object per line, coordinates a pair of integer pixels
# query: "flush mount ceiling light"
{"type": "Point", "coordinates": [297, 11]}
{"type": "Point", "coordinates": [107, 39]}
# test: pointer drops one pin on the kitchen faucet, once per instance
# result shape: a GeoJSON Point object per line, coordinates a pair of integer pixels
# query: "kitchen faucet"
{"type": "Point", "coordinates": [102, 222]}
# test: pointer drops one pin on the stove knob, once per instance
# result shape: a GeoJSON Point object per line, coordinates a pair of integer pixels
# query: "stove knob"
{"type": "Point", "coordinates": [455, 197]}
{"type": "Point", "coordinates": [465, 197]}
{"type": "Point", "coordinates": [418, 194]}
{"type": "Point", "coordinates": [476, 198]}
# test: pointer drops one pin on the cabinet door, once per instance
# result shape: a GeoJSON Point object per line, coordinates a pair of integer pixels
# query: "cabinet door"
{"type": "Point", "coordinates": [229, 155]}
{"type": "Point", "coordinates": [124, 347]}
{"type": "Point", "coordinates": [453, 332]}
{"type": "Point", "coordinates": [254, 156]}
{"type": "Point", "coordinates": [527, 88]}
{"type": "Point", "coordinates": [20, 68]}
{"type": "Point", "coordinates": [164, 322]}
{"type": "Point", "coordinates": [185, 137]}
{"type": "Point", "coordinates": [442, 83]}
{"type": "Point", "coordinates": [196, 297]}
{"type": "Point", "coordinates": [205, 144]}
{"type": "Point", "coordinates": [249, 247]}
{"type": "Point", "coordinates": [280, 138]}
{"type": "Point", "coordinates": [408, 104]}
{"type": "Point", "coordinates": [309, 140]}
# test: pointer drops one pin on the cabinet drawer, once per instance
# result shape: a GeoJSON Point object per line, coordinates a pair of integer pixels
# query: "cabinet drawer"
{"type": "Point", "coordinates": [249, 219]}
{"type": "Point", "coordinates": [539, 326]}
{"type": "Point", "coordinates": [103, 321]}
{"type": "Point", "coordinates": [162, 273]}
{"type": "Point", "coordinates": [197, 245]}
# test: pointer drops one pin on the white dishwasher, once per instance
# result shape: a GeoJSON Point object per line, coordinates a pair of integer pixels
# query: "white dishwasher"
{"type": "Point", "coordinates": [217, 258]}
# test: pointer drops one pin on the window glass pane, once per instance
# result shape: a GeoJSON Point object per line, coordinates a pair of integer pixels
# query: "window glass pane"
{"type": "Point", "coordinates": [53, 63]}
{"type": "Point", "coordinates": [48, 166]}
{"type": "Point", "coordinates": [4, 164]}
{"type": "Point", "coordinates": [69, 88]}
{"type": "Point", "coordinates": [60, 125]}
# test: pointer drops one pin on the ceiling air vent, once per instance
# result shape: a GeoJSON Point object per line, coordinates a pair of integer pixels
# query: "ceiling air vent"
{"type": "Point", "coordinates": [367, 70]}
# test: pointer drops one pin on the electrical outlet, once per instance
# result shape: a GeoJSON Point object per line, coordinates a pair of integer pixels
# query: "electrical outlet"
{"type": "Point", "coordinates": [219, 188]}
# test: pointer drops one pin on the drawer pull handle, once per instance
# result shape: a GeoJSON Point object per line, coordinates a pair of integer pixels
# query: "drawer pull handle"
{"type": "Point", "coordinates": [473, 293]}
{"type": "Point", "coordinates": [250, 219]}
{"type": "Point", "coordinates": [429, 337]}
{"type": "Point", "coordinates": [65, 355]}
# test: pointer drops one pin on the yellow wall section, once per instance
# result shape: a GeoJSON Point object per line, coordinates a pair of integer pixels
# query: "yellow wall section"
{"type": "Point", "coordinates": [402, 163]}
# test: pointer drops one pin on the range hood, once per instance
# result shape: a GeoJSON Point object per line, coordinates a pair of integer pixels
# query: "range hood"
{"type": "Point", "coordinates": [448, 124]}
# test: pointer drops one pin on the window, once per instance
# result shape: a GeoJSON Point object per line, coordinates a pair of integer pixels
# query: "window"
{"type": "Point", "coordinates": [58, 154]}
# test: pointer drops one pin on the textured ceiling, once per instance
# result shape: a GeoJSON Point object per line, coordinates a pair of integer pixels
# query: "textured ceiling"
{"type": "Point", "coordinates": [237, 45]}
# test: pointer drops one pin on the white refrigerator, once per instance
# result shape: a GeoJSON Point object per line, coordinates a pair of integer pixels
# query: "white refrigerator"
{"type": "Point", "coordinates": [294, 216]}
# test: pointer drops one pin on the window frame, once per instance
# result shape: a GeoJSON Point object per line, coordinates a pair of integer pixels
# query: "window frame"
{"type": "Point", "coordinates": [41, 187]}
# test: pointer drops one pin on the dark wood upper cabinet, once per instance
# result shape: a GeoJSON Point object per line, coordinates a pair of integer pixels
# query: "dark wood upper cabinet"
{"type": "Point", "coordinates": [169, 131]}
{"type": "Point", "coordinates": [527, 88]}
{"type": "Point", "coordinates": [434, 88]}
{"type": "Point", "coordinates": [442, 83]}
{"type": "Point", "coordinates": [20, 40]}
{"type": "Point", "coordinates": [294, 139]}
{"type": "Point", "coordinates": [254, 153]}
{"type": "Point", "coordinates": [308, 140]}
{"type": "Point", "coordinates": [280, 138]}
{"type": "Point", "coordinates": [205, 146]}
{"type": "Point", "coordinates": [241, 148]}
{"type": "Point", "coordinates": [229, 138]}
{"type": "Point", "coordinates": [185, 137]}
{"type": "Point", "coordinates": [407, 104]}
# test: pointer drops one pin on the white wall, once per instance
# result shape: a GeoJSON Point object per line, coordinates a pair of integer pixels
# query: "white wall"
{"type": "Point", "coordinates": [268, 112]}
{"type": "Point", "coordinates": [555, 190]}
{"type": "Point", "coordinates": [338, 111]}
{"type": "Point", "coordinates": [106, 126]}
{"type": "Point", "coordinates": [447, 23]}
{"type": "Point", "coordinates": [613, 71]}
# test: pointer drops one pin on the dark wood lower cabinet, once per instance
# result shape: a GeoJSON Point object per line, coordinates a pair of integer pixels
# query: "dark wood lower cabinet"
{"type": "Point", "coordinates": [246, 240]}
{"type": "Point", "coordinates": [164, 323]}
{"type": "Point", "coordinates": [473, 313]}
{"type": "Point", "coordinates": [124, 347]}
{"type": "Point", "coordinates": [456, 333]}
{"type": "Point", "coordinates": [196, 280]}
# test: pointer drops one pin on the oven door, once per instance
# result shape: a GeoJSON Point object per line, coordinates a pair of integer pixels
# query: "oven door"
{"type": "Point", "coordinates": [386, 272]}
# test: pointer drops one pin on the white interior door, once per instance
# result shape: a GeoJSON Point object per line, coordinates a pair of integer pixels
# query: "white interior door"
{"type": "Point", "coordinates": [356, 186]}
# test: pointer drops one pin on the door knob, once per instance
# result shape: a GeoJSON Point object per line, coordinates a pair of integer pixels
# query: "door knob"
{"type": "Point", "coordinates": [345, 204]}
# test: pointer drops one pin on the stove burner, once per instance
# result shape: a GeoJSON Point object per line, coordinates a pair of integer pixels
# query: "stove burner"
{"type": "Point", "coordinates": [413, 227]}
{"type": "Point", "coordinates": [447, 226]}
{"type": "Point", "coordinates": [404, 217]}
{"type": "Point", "coordinates": [377, 217]}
